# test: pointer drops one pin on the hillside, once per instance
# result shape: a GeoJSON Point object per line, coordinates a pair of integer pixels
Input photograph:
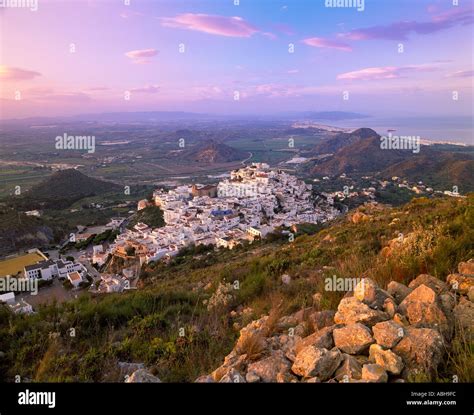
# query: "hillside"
{"type": "Point", "coordinates": [212, 151]}
{"type": "Point", "coordinates": [186, 316]}
{"type": "Point", "coordinates": [359, 152]}
{"type": "Point", "coordinates": [70, 183]}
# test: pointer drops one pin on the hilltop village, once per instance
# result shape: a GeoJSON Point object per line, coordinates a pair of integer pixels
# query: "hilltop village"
{"type": "Point", "coordinates": [252, 203]}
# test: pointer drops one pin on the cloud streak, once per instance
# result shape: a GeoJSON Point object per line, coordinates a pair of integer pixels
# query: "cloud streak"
{"type": "Point", "coordinates": [401, 30]}
{"type": "Point", "coordinates": [9, 73]}
{"type": "Point", "coordinates": [383, 72]}
{"type": "Point", "coordinates": [211, 24]}
{"type": "Point", "coordinates": [141, 55]}
{"type": "Point", "coordinates": [319, 42]}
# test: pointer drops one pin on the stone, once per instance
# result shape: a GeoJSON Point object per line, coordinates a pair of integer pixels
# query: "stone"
{"type": "Point", "coordinates": [349, 369]}
{"type": "Point", "coordinates": [422, 308]}
{"type": "Point", "coordinates": [386, 358]}
{"type": "Point", "coordinates": [321, 319]}
{"type": "Point", "coordinates": [232, 376]}
{"type": "Point", "coordinates": [400, 319]}
{"type": "Point", "coordinates": [421, 350]}
{"type": "Point", "coordinates": [470, 294]}
{"type": "Point", "coordinates": [315, 362]}
{"type": "Point", "coordinates": [287, 344]}
{"type": "Point", "coordinates": [434, 283]}
{"type": "Point", "coordinates": [142, 376]}
{"type": "Point", "coordinates": [204, 379]}
{"type": "Point", "coordinates": [373, 372]}
{"type": "Point", "coordinates": [466, 268]}
{"type": "Point", "coordinates": [322, 339]}
{"type": "Point", "coordinates": [460, 283]}
{"type": "Point", "coordinates": [390, 307]}
{"type": "Point", "coordinates": [464, 316]}
{"type": "Point", "coordinates": [251, 377]}
{"type": "Point", "coordinates": [368, 292]}
{"type": "Point", "coordinates": [388, 333]}
{"type": "Point", "coordinates": [268, 368]}
{"type": "Point", "coordinates": [353, 338]}
{"type": "Point", "coordinates": [359, 217]}
{"type": "Point", "coordinates": [398, 291]}
{"type": "Point", "coordinates": [286, 279]}
{"type": "Point", "coordinates": [351, 310]}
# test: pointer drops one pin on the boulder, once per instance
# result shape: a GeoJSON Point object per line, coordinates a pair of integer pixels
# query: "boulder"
{"type": "Point", "coordinates": [232, 376]}
{"type": "Point", "coordinates": [466, 268]}
{"type": "Point", "coordinates": [423, 308]}
{"type": "Point", "coordinates": [353, 338]}
{"type": "Point", "coordinates": [204, 379]}
{"type": "Point", "coordinates": [287, 344]}
{"type": "Point", "coordinates": [464, 315]}
{"type": "Point", "coordinates": [321, 319]}
{"type": "Point", "coordinates": [386, 358]}
{"type": "Point", "coordinates": [315, 362]}
{"type": "Point", "coordinates": [142, 376]}
{"type": "Point", "coordinates": [368, 292]}
{"type": "Point", "coordinates": [322, 339]}
{"type": "Point", "coordinates": [470, 294]}
{"type": "Point", "coordinates": [389, 307]}
{"type": "Point", "coordinates": [373, 372]}
{"type": "Point", "coordinates": [434, 283]}
{"type": "Point", "coordinates": [268, 368]}
{"type": "Point", "coordinates": [349, 369]}
{"type": "Point", "coordinates": [398, 291]}
{"type": "Point", "coordinates": [388, 333]}
{"type": "Point", "coordinates": [400, 319]}
{"type": "Point", "coordinates": [421, 350]}
{"type": "Point", "coordinates": [460, 283]}
{"type": "Point", "coordinates": [351, 310]}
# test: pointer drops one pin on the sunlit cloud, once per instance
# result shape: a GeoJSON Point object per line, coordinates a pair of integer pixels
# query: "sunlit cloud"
{"type": "Point", "coordinates": [319, 42]}
{"type": "Point", "coordinates": [10, 73]}
{"type": "Point", "coordinates": [461, 74]}
{"type": "Point", "coordinates": [150, 89]}
{"type": "Point", "coordinates": [211, 24]}
{"type": "Point", "coordinates": [141, 55]}
{"type": "Point", "coordinates": [384, 72]}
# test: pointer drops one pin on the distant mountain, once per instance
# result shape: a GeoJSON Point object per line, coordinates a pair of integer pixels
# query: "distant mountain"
{"type": "Point", "coordinates": [212, 151]}
{"type": "Point", "coordinates": [70, 183]}
{"type": "Point", "coordinates": [360, 152]}
{"type": "Point", "coordinates": [331, 145]}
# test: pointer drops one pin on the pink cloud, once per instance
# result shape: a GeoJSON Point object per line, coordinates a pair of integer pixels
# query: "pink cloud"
{"type": "Point", "coordinates": [10, 73]}
{"type": "Point", "coordinates": [319, 42]}
{"type": "Point", "coordinates": [461, 74]}
{"type": "Point", "coordinates": [214, 25]}
{"type": "Point", "coordinates": [141, 55]}
{"type": "Point", "coordinates": [66, 97]}
{"type": "Point", "coordinates": [402, 29]}
{"type": "Point", "coordinates": [383, 73]}
{"type": "Point", "coordinates": [150, 89]}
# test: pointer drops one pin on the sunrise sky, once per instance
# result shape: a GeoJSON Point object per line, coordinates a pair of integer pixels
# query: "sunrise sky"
{"type": "Point", "coordinates": [73, 57]}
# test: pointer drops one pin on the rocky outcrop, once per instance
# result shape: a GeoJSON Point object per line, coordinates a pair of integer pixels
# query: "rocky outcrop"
{"type": "Point", "coordinates": [399, 334]}
{"type": "Point", "coordinates": [142, 376]}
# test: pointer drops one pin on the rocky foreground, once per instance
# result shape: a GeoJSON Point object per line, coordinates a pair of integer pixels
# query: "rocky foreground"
{"type": "Point", "coordinates": [399, 334]}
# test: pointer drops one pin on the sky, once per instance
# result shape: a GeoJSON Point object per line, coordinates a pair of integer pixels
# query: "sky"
{"type": "Point", "coordinates": [387, 58]}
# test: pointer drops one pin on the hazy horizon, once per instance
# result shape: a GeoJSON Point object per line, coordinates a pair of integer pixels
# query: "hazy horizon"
{"type": "Point", "coordinates": [389, 59]}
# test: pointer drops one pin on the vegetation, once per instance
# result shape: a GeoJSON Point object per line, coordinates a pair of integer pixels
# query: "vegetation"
{"type": "Point", "coordinates": [166, 324]}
